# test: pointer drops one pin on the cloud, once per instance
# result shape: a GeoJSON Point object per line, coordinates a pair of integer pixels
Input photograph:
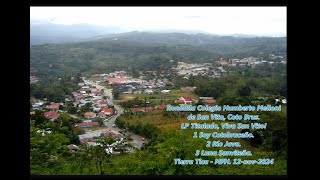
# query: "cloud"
{"type": "Point", "coordinates": [218, 20]}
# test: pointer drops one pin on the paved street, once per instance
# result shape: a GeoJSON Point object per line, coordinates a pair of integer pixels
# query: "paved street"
{"type": "Point", "coordinates": [136, 139]}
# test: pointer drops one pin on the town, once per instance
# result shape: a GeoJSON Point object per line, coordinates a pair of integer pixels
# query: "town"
{"type": "Point", "coordinates": [95, 96]}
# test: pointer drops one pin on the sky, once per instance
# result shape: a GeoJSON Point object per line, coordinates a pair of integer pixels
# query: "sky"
{"type": "Point", "coordinates": [270, 21]}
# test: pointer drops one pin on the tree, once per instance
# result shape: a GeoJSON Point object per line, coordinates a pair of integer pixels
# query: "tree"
{"type": "Point", "coordinates": [72, 110]}
{"type": "Point", "coordinates": [244, 91]}
{"type": "Point", "coordinates": [45, 150]}
{"type": "Point", "coordinates": [116, 94]}
{"type": "Point", "coordinates": [39, 118]}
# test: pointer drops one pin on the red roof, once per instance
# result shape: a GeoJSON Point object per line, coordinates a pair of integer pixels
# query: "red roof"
{"type": "Point", "coordinates": [116, 80]}
{"type": "Point", "coordinates": [161, 107]}
{"type": "Point", "coordinates": [179, 101]}
{"type": "Point", "coordinates": [187, 88]}
{"type": "Point", "coordinates": [102, 102]}
{"type": "Point", "coordinates": [134, 110]}
{"type": "Point", "coordinates": [148, 109]}
{"type": "Point", "coordinates": [187, 99]}
{"type": "Point", "coordinates": [51, 115]}
{"type": "Point", "coordinates": [84, 140]}
{"type": "Point", "coordinates": [209, 101]}
{"type": "Point", "coordinates": [53, 106]}
{"type": "Point", "coordinates": [102, 113]}
{"type": "Point", "coordinates": [107, 110]}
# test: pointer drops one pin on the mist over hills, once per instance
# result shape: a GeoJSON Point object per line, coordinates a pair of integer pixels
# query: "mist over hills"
{"type": "Point", "coordinates": [42, 33]}
{"type": "Point", "coordinates": [58, 33]}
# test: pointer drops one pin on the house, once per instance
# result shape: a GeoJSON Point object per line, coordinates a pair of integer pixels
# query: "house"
{"type": "Point", "coordinates": [102, 114]}
{"type": "Point", "coordinates": [222, 62]}
{"type": "Point", "coordinates": [51, 115]}
{"type": "Point", "coordinates": [82, 101]}
{"type": "Point", "coordinates": [148, 91]}
{"type": "Point", "coordinates": [107, 111]}
{"type": "Point", "coordinates": [86, 140]}
{"type": "Point", "coordinates": [75, 104]}
{"type": "Point", "coordinates": [53, 107]}
{"type": "Point", "coordinates": [161, 107]}
{"type": "Point", "coordinates": [88, 137]}
{"type": "Point", "coordinates": [187, 88]}
{"type": "Point", "coordinates": [209, 101]}
{"type": "Point", "coordinates": [137, 92]}
{"type": "Point", "coordinates": [148, 109]}
{"type": "Point", "coordinates": [179, 101]}
{"type": "Point", "coordinates": [186, 100]}
{"type": "Point", "coordinates": [116, 80]}
{"type": "Point", "coordinates": [112, 134]}
{"type": "Point", "coordinates": [96, 109]}
{"type": "Point", "coordinates": [95, 101]}
{"type": "Point", "coordinates": [35, 106]}
{"type": "Point", "coordinates": [203, 98]}
{"type": "Point", "coordinates": [102, 104]}
{"type": "Point", "coordinates": [166, 91]}
{"type": "Point", "coordinates": [135, 110]}
{"type": "Point", "coordinates": [89, 115]}
{"type": "Point", "coordinates": [80, 97]}
{"type": "Point", "coordinates": [87, 124]}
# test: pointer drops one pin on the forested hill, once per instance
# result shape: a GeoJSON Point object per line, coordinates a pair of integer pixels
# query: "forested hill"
{"type": "Point", "coordinates": [222, 44]}
{"type": "Point", "coordinates": [144, 51]}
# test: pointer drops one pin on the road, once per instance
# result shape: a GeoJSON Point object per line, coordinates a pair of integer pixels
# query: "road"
{"type": "Point", "coordinates": [136, 139]}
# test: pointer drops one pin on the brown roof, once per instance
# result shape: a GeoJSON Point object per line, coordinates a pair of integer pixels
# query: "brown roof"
{"type": "Point", "coordinates": [89, 114]}
{"type": "Point", "coordinates": [179, 101]}
{"type": "Point", "coordinates": [84, 124]}
{"type": "Point", "coordinates": [209, 101]}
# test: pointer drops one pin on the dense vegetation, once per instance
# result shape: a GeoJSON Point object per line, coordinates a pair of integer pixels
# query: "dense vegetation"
{"type": "Point", "coordinates": [55, 90]}
{"type": "Point", "coordinates": [145, 51]}
{"type": "Point", "coordinates": [49, 154]}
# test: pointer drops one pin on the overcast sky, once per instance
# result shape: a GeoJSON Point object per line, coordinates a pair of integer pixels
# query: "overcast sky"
{"type": "Point", "coordinates": [216, 20]}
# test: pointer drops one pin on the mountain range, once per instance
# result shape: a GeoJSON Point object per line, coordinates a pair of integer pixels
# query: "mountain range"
{"type": "Point", "coordinates": [42, 33]}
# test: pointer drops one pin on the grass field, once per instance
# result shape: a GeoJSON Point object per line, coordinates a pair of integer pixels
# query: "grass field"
{"type": "Point", "coordinates": [174, 123]}
{"type": "Point", "coordinates": [157, 119]}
